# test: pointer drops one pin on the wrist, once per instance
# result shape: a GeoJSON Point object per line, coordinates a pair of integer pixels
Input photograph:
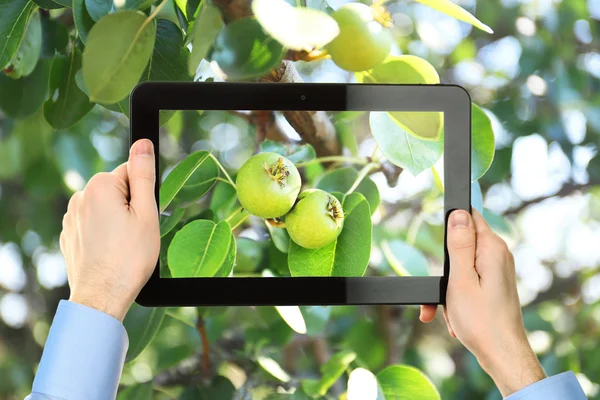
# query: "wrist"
{"type": "Point", "coordinates": [513, 367]}
{"type": "Point", "coordinates": [100, 303]}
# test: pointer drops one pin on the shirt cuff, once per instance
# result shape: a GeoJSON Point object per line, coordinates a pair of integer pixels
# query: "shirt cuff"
{"type": "Point", "coordinates": [557, 387]}
{"type": "Point", "coordinates": [84, 355]}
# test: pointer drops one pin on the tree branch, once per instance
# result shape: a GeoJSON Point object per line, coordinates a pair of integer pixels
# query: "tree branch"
{"type": "Point", "coordinates": [567, 190]}
{"type": "Point", "coordinates": [233, 9]}
{"type": "Point", "coordinates": [191, 369]}
{"type": "Point", "coordinates": [205, 344]}
{"type": "Point", "coordinates": [313, 126]}
{"type": "Point", "coordinates": [560, 286]}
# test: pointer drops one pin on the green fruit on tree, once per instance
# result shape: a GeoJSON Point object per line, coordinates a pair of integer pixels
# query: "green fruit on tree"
{"type": "Point", "coordinates": [363, 41]}
{"type": "Point", "coordinates": [316, 220]}
{"type": "Point", "coordinates": [268, 185]}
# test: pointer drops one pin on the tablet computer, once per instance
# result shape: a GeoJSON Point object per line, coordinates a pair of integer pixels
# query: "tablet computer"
{"type": "Point", "coordinates": [304, 194]}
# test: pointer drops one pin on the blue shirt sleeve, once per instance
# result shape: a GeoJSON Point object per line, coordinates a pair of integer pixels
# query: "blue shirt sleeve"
{"type": "Point", "coordinates": [558, 387]}
{"type": "Point", "coordinates": [83, 357]}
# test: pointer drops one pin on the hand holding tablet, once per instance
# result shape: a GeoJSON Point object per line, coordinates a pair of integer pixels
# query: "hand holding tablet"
{"type": "Point", "coordinates": [222, 188]}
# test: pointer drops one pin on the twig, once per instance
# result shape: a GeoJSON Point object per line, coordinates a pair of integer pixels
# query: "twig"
{"type": "Point", "coordinates": [276, 222]}
{"type": "Point", "coordinates": [205, 344]}
{"type": "Point", "coordinates": [560, 286]}
{"type": "Point", "coordinates": [157, 10]}
{"type": "Point", "coordinates": [341, 159]}
{"type": "Point", "coordinates": [234, 213]}
{"type": "Point", "coordinates": [178, 318]}
{"type": "Point", "coordinates": [566, 190]}
{"type": "Point", "coordinates": [241, 221]}
{"type": "Point", "coordinates": [314, 127]}
{"type": "Point", "coordinates": [223, 170]}
{"type": "Point", "coordinates": [361, 175]}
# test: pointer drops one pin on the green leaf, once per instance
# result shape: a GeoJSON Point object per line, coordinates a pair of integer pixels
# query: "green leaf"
{"type": "Point", "coordinates": [297, 395]}
{"type": "Point", "coordinates": [22, 97]}
{"type": "Point", "coordinates": [48, 4]}
{"type": "Point", "coordinates": [296, 28]}
{"type": "Point", "coordinates": [68, 103]}
{"type": "Point", "coordinates": [402, 149]}
{"type": "Point", "coordinates": [25, 59]}
{"type": "Point", "coordinates": [456, 11]}
{"type": "Point", "coordinates": [293, 317]}
{"type": "Point", "coordinates": [121, 107]}
{"type": "Point", "coordinates": [331, 371]}
{"type": "Point", "coordinates": [294, 153]}
{"type": "Point", "coordinates": [141, 391]}
{"type": "Point", "coordinates": [280, 238]}
{"type": "Point", "coordinates": [227, 266]}
{"type": "Point", "coordinates": [348, 255]}
{"type": "Point", "coordinates": [98, 8]}
{"type": "Point", "coordinates": [187, 11]}
{"type": "Point", "coordinates": [243, 50]}
{"type": "Point", "coordinates": [138, 4]}
{"type": "Point", "coordinates": [64, 3]}
{"type": "Point", "coordinates": [13, 20]}
{"type": "Point", "coordinates": [200, 249]}
{"type": "Point", "coordinates": [170, 57]}
{"type": "Point", "coordinates": [362, 384]}
{"type": "Point", "coordinates": [141, 324]}
{"type": "Point", "coordinates": [223, 200]}
{"type": "Point", "coordinates": [168, 62]}
{"type": "Point", "coordinates": [82, 19]}
{"type": "Point", "coordinates": [168, 222]}
{"type": "Point", "coordinates": [341, 180]}
{"type": "Point", "coordinates": [115, 56]}
{"type": "Point", "coordinates": [405, 259]}
{"type": "Point", "coordinates": [205, 30]}
{"type": "Point", "coordinates": [408, 69]}
{"type": "Point", "coordinates": [219, 389]}
{"type": "Point", "coordinates": [316, 318]}
{"type": "Point", "coordinates": [365, 338]}
{"type": "Point", "coordinates": [405, 382]}
{"type": "Point", "coordinates": [191, 179]}
{"type": "Point", "coordinates": [483, 142]}
{"type": "Point", "coordinates": [249, 254]}
{"type": "Point", "coordinates": [273, 368]}
{"type": "Point", "coordinates": [55, 37]}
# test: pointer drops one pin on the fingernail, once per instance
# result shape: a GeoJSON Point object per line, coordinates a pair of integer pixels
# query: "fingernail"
{"type": "Point", "coordinates": [143, 148]}
{"type": "Point", "coordinates": [459, 218]}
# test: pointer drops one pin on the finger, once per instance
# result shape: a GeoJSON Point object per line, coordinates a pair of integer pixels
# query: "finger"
{"type": "Point", "coordinates": [142, 176]}
{"type": "Point", "coordinates": [448, 324]}
{"type": "Point", "coordinates": [461, 248]}
{"type": "Point", "coordinates": [427, 313]}
{"type": "Point", "coordinates": [121, 172]}
{"type": "Point", "coordinates": [63, 243]}
{"type": "Point", "coordinates": [73, 202]}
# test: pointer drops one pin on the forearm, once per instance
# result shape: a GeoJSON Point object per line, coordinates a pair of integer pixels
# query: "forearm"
{"type": "Point", "coordinates": [513, 366]}
{"type": "Point", "coordinates": [558, 387]}
{"type": "Point", "coordinates": [83, 356]}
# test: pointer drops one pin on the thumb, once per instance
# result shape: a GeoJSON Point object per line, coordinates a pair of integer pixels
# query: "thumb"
{"type": "Point", "coordinates": [461, 242]}
{"type": "Point", "coordinates": [142, 176]}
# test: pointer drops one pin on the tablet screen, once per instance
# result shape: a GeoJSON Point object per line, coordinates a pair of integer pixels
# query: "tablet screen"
{"type": "Point", "coordinates": [301, 193]}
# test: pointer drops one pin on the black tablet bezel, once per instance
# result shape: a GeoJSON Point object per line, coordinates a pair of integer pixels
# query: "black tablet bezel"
{"type": "Point", "coordinates": [454, 101]}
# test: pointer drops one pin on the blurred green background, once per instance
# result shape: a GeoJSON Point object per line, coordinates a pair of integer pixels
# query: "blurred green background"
{"type": "Point", "coordinates": [538, 78]}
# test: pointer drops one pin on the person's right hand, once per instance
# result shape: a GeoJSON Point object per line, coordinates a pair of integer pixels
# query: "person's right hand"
{"type": "Point", "coordinates": [482, 305]}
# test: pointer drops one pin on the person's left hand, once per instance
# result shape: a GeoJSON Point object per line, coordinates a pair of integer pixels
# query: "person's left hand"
{"type": "Point", "coordinates": [111, 235]}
